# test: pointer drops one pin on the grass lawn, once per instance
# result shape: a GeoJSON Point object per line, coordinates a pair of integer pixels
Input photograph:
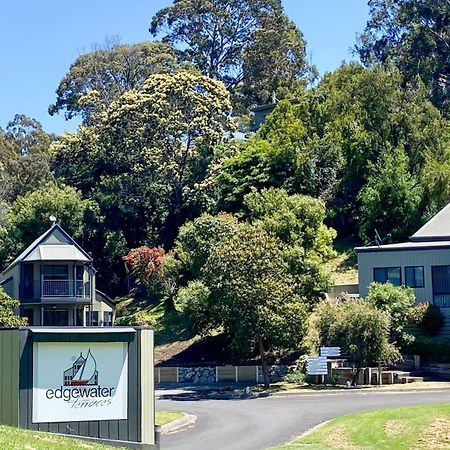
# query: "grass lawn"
{"type": "Point", "coordinates": [15, 439]}
{"type": "Point", "coordinates": [163, 417]}
{"type": "Point", "coordinates": [416, 427]}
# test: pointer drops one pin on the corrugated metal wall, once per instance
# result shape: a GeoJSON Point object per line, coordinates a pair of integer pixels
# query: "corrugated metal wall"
{"type": "Point", "coordinates": [427, 258]}
{"type": "Point", "coordinates": [9, 377]}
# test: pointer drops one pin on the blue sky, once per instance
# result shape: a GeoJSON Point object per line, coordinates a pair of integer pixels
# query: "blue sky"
{"type": "Point", "coordinates": [40, 39]}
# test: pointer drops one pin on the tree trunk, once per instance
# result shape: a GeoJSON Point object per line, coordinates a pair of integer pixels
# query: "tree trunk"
{"type": "Point", "coordinates": [263, 362]}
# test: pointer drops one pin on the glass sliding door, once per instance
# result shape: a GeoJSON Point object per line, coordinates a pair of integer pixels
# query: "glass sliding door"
{"type": "Point", "coordinates": [56, 317]}
{"type": "Point", "coordinates": [441, 286]}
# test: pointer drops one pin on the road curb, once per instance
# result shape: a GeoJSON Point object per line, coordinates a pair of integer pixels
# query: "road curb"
{"type": "Point", "coordinates": [175, 425]}
{"type": "Point", "coordinates": [358, 391]}
{"type": "Point", "coordinates": [314, 428]}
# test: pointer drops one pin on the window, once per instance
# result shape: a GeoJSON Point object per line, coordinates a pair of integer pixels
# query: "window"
{"type": "Point", "coordinates": [387, 275]}
{"type": "Point", "coordinates": [94, 315]}
{"type": "Point", "coordinates": [414, 277]}
{"type": "Point", "coordinates": [79, 272]}
{"type": "Point", "coordinates": [107, 318]}
{"type": "Point", "coordinates": [55, 272]}
{"type": "Point", "coordinates": [441, 285]}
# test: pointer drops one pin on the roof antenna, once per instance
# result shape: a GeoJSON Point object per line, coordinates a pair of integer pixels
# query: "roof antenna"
{"type": "Point", "coordinates": [53, 220]}
{"type": "Point", "coordinates": [378, 239]}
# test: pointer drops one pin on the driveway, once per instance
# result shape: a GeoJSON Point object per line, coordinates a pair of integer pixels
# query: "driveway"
{"type": "Point", "coordinates": [261, 423]}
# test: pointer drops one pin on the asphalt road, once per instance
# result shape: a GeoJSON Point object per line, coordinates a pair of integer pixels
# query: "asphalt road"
{"type": "Point", "coordinates": [261, 423]}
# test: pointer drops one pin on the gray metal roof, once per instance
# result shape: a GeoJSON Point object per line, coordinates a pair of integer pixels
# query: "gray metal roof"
{"type": "Point", "coordinates": [436, 229]}
{"type": "Point", "coordinates": [47, 248]}
{"type": "Point", "coordinates": [64, 252]}
{"type": "Point", "coordinates": [418, 245]}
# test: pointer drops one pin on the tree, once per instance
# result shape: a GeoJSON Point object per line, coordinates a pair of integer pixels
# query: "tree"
{"type": "Point", "coordinates": [142, 162]}
{"type": "Point", "coordinates": [29, 217]}
{"type": "Point", "coordinates": [398, 302]}
{"type": "Point", "coordinates": [297, 221]}
{"type": "Point", "coordinates": [391, 198]}
{"type": "Point", "coordinates": [164, 137]}
{"type": "Point", "coordinates": [274, 65]}
{"type": "Point", "coordinates": [413, 35]}
{"type": "Point", "coordinates": [8, 308]}
{"type": "Point", "coordinates": [247, 289]}
{"type": "Point", "coordinates": [286, 152]}
{"type": "Point", "coordinates": [147, 265]}
{"type": "Point", "coordinates": [236, 42]}
{"type": "Point", "coordinates": [99, 77]}
{"type": "Point", "coordinates": [197, 239]}
{"type": "Point", "coordinates": [24, 157]}
{"type": "Point", "coordinates": [357, 326]}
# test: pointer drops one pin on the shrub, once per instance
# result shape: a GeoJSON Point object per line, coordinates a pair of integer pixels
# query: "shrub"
{"type": "Point", "coordinates": [397, 301]}
{"type": "Point", "coordinates": [297, 377]}
{"type": "Point", "coordinates": [357, 326]}
{"type": "Point", "coordinates": [8, 307]}
{"type": "Point", "coordinates": [428, 318]}
{"type": "Point", "coordinates": [431, 349]}
{"type": "Point", "coordinates": [311, 379]}
{"type": "Point", "coordinates": [333, 379]}
{"type": "Point", "coordinates": [146, 265]}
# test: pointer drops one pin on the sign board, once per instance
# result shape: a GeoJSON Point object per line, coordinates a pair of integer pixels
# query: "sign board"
{"type": "Point", "coordinates": [316, 365]}
{"type": "Point", "coordinates": [330, 351]}
{"type": "Point", "coordinates": [79, 381]}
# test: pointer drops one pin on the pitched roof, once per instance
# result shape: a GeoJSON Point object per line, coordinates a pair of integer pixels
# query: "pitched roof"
{"type": "Point", "coordinates": [436, 229]}
{"type": "Point", "coordinates": [417, 245]}
{"type": "Point", "coordinates": [50, 247]}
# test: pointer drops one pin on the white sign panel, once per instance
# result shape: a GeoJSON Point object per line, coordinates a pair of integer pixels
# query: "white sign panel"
{"type": "Point", "coordinates": [316, 365]}
{"type": "Point", "coordinates": [75, 381]}
{"type": "Point", "coordinates": [330, 351]}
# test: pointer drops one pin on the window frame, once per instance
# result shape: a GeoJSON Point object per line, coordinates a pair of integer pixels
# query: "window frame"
{"type": "Point", "coordinates": [414, 272]}
{"type": "Point", "coordinates": [55, 276]}
{"type": "Point", "coordinates": [387, 275]}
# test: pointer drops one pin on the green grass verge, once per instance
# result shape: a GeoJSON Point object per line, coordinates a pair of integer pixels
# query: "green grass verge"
{"type": "Point", "coordinates": [16, 439]}
{"type": "Point", "coordinates": [417, 427]}
{"type": "Point", "coordinates": [284, 386]}
{"type": "Point", "coordinates": [163, 417]}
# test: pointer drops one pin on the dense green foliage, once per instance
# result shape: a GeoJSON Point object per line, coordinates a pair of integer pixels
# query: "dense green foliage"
{"type": "Point", "coordinates": [397, 301]}
{"type": "Point", "coordinates": [142, 160]}
{"type": "Point", "coordinates": [8, 310]}
{"type": "Point", "coordinates": [430, 349]}
{"type": "Point", "coordinates": [255, 279]}
{"type": "Point", "coordinates": [249, 45]}
{"type": "Point", "coordinates": [428, 318]}
{"type": "Point", "coordinates": [233, 232]}
{"type": "Point", "coordinates": [247, 289]}
{"type": "Point", "coordinates": [29, 217]}
{"type": "Point", "coordinates": [24, 158]}
{"type": "Point", "coordinates": [98, 78]}
{"type": "Point", "coordinates": [413, 35]}
{"type": "Point", "coordinates": [357, 326]}
{"type": "Point", "coordinates": [361, 140]}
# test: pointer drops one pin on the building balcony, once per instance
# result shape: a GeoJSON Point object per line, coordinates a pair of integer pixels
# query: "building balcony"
{"type": "Point", "coordinates": [58, 290]}
{"type": "Point", "coordinates": [65, 288]}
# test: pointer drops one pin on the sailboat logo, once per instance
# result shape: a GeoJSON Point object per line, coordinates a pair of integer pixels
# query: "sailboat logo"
{"type": "Point", "coordinates": [83, 372]}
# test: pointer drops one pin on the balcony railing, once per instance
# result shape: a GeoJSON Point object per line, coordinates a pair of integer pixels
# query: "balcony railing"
{"type": "Point", "coordinates": [65, 288]}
